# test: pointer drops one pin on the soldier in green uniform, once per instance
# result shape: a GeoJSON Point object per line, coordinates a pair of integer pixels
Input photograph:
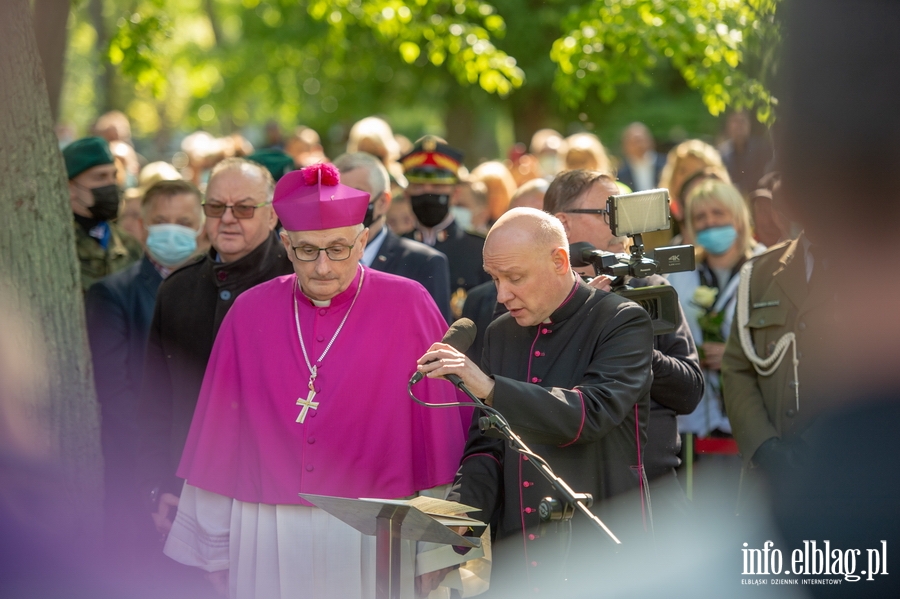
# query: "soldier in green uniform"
{"type": "Point", "coordinates": [103, 247]}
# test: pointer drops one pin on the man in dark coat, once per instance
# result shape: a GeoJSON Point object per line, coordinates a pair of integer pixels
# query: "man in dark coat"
{"type": "Point", "coordinates": [432, 168]}
{"type": "Point", "coordinates": [386, 251]}
{"type": "Point", "coordinates": [119, 311]}
{"type": "Point", "coordinates": [190, 306]}
{"type": "Point", "coordinates": [569, 368]}
{"type": "Point", "coordinates": [578, 199]}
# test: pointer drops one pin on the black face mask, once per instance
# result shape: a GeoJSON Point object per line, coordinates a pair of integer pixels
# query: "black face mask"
{"type": "Point", "coordinates": [106, 202]}
{"type": "Point", "coordinates": [430, 208]}
{"type": "Point", "coordinates": [370, 213]}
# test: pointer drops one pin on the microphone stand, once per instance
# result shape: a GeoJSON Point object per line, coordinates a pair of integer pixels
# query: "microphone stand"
{"type": "Point", "coordinates": [495, 420]}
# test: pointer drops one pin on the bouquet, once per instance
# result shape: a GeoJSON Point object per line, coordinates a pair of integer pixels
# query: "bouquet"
{"type": "Point", "coordinates": [709, 320]}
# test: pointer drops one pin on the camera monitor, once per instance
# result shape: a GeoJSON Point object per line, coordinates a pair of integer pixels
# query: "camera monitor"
{"type": "Point", "coordinates": [639, 212]}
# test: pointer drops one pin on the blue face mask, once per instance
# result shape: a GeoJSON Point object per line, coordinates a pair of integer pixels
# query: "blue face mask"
{"type": "Point", "coordinates": [170, 245]}
{"type": "Point", "coordinates": [717, 240]}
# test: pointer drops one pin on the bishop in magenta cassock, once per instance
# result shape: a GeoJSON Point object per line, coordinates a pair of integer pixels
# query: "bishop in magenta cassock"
{"type": "Point", "coordinates": [305, 392]}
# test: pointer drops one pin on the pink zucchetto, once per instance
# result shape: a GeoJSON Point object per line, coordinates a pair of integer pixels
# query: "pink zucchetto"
{"type": "Point", "coordinates": [313, 199]}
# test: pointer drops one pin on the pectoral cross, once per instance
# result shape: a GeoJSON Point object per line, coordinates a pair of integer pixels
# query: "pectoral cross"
{"type": "Point", "coordinates": [308, 402]}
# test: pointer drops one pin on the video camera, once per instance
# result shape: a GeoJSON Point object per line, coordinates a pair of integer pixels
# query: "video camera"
{"type": "Point", "coordinates": [632, 215]}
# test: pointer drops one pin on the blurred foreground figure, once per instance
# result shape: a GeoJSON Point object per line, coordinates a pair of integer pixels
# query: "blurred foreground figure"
{"type": "Point", "coordinates": [569, 367]}
{"type": "Point", "coordinates": [839, 485]}
{"type": "Point", "coordinates": [294, 401]}
{"type": "Point", "coordinates": [119, 311]}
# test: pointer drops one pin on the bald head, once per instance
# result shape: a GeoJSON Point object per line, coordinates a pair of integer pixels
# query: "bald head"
{"type": "Point", "coordinates": [526, 253]}
{"type": "Point", "coordinates": [535, 228]}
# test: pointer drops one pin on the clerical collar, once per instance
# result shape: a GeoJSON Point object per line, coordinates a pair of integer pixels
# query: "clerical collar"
{"type": "Point", "coordinates": [341, 299]}
{"type": "Point", "coordinates": [373, 247]}
{"type": "Point", "coordinates": [576, 298]}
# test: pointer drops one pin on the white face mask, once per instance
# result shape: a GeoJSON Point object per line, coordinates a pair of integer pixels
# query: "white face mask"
{"type": "Point", "coordinates": [171, 244]}
{"type": "Point", "coordinates": [462, 216]}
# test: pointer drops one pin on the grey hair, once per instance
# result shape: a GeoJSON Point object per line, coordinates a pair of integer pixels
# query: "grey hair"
{"type": "Point", "coordinates": [378, 179]}
{"type": "Point", "coordinates": [244, 166]}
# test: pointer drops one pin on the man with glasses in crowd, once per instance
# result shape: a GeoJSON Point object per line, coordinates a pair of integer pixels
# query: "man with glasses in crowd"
{"type": "Point", "coordinates": [190, 306]}
{"type": "Point", "coordinates": [578, 199]}
{"type": "Point", "coordinates": [297, 399]}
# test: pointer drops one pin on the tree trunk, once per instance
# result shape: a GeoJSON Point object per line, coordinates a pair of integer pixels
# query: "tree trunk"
{"type": "Point", "coordinates": [104, 86]}
{"type": "Point", "coordinates": [51, 18]}
{"type": "Point", "coordinates": [39, 276]}
{"type": "Point", "coordinates": [210, 7]}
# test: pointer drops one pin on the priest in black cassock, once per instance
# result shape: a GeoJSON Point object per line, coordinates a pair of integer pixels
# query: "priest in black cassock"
{"type": "Point", "coordinates": [569, 368]}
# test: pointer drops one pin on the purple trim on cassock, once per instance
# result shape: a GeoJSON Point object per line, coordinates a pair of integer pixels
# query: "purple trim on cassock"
{"type": "Point", "coordinates": [485, 455]}
{"type": "Point", "coordinates": [569, 297]}
{"type": "Point", "coordinates": [580, 426]}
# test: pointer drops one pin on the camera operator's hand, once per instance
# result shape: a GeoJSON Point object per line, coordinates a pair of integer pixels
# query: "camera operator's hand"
{"type": "Point", "coordinates": [712, 355]}
{"type": "Point", "coordinates": [602, 282]}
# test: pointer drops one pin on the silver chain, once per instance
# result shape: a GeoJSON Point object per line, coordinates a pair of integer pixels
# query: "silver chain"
{"type": "Point", "coordinates": [313, 368]}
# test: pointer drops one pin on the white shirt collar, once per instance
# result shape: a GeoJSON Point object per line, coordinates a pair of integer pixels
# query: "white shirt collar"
{"type": "Point", "coordinates": [374, 247]}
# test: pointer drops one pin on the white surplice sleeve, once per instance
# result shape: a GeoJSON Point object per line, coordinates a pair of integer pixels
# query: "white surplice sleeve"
{"type": "Point", "coordinates": [199, 535]}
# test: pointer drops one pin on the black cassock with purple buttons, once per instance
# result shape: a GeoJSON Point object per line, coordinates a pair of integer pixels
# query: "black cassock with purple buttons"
{"type": "Point", "coordinates": [577, 390]}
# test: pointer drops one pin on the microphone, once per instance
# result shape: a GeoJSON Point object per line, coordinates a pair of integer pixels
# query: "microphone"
{"type": "Point", "coordinates": [460, 337]}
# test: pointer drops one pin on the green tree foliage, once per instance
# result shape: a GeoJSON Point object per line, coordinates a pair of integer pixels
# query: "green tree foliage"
{"type": "Point", "coordinates": [498, 70]}
{"type": "Point", "coordinates": [304, 61]}
{"type": "Point", "coordinates": [613, 43]}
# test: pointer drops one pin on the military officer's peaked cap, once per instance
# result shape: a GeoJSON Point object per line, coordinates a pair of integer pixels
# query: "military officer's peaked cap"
{"type": "Point", "coordinates": [432, 161]}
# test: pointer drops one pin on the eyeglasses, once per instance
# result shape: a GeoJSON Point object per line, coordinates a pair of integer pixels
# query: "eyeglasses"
{"type": "Point", "coordinates": [217, 209]}
{"type": "Point", "coordinates": [597, 211]}
{"type": "Point", "coordinates": [335, 253]}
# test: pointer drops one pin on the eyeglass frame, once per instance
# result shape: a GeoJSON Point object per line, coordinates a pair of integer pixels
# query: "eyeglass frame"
{"type": "Point", "coordinates": [225, 207]}
{"type": "Point", "coordinates": [327, 255]}
{"type": "Point", "coordinates": [597, 211]}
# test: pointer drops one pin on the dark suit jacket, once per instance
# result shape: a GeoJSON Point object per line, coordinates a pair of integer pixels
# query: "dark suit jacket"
{"type": "Point", "coordinates": [119, 311]}
{"type": "Point", "coordinates": [627, 177]}
{"type": "Point", "coordinates": [463, 250]}
{"type": "Point", "coordinates": [416, 261]}
{"type": "Point", "coordinates": [482, 308]}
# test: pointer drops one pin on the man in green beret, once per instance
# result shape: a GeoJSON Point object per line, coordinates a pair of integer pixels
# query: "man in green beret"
{"type": "Point", "coordinates": [103, 247]}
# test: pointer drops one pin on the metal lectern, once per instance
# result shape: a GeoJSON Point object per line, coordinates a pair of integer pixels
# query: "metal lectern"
{"type": "Point", "coordinates": [389, 522]}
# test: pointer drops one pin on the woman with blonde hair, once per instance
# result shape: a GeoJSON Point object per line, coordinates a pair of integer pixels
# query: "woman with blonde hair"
{"type": "Point", "coordinates": [717, 217]}
{"type": "Point", "coordinates": [687, 164]}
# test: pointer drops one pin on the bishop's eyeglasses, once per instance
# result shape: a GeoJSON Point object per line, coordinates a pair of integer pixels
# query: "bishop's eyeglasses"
{"type": "Point", "coordinates": [336, 252]}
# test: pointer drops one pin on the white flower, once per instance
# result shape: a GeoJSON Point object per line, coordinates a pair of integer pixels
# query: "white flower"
{"type": "Point", "coordinates": [705, 296]}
